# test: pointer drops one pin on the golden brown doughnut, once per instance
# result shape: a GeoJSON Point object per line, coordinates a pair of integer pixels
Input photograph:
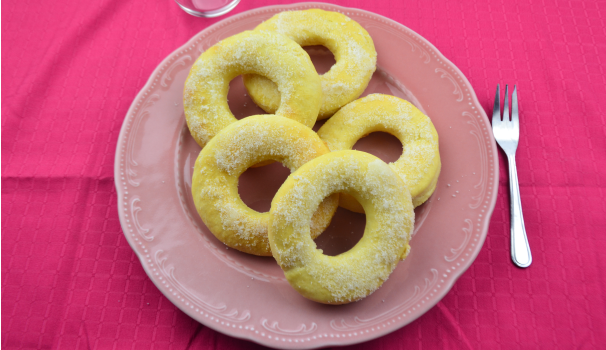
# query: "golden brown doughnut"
{"type": "Point", "coordinates": [358, 272]}
{"type": "Point", "coordinates": [260, 52]}
{"type": "Point", "coordinates": [353, 48]}
{"type": "Point", "coordinates": [237, 147]}
{"type": "Point", "coordinates": [419, 165]}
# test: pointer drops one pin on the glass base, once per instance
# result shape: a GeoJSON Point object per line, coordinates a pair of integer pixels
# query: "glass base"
{"type": "Point", "coordinates": [188, 7]}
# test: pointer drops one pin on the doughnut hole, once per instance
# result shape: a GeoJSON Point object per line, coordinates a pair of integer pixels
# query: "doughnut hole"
{"type": "Point", "coordinates": [380, 144]}
{"type": "Point", "coordinates": [258, 185]}
{"type": "Point", "coordinates": [239, 102]}
{"type": "Point", "coordinates": [344, 232]}
{"type": "Point", "coordinates": [322, 58]}
{"type": "Point", "coordinates": [319, 124]}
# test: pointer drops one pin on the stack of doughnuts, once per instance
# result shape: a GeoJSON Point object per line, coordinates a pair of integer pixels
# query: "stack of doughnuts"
{"type": "Point", "coordinates": [325, 172]}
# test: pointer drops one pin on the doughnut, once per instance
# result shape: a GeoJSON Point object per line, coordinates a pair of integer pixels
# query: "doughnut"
{"type": "Point", "coordinates": [419, 165]}
{"type": "Point", "coordinates": [265, 53]}
{"type": "Point", "coordinates": [352, 275]}
{"type": "Point", "coordinates": [353, 48]}
{"type": "Point", "coordinates": [238, 146]}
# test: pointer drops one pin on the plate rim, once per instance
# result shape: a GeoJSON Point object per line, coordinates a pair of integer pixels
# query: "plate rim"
{"type": "Point", "coordinates": [484, 224]}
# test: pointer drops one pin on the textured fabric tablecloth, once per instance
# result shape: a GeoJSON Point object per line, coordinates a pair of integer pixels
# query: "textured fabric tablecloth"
{"type": "Point", "coordinates": [70, 71]}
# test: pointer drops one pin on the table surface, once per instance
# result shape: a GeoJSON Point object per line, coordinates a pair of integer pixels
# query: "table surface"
{"type": "Point", "coordinates": [70, 71]}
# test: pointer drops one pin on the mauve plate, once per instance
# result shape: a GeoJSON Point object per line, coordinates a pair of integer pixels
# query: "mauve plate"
{"type": "Point", "coordinates": [246, 296]}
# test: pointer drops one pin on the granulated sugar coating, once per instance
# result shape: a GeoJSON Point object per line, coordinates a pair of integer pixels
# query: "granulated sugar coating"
{"type": "Point", "coordinates": [269, 54]}
{"type": "Point", "coordinates": [236, 148]}
{"type": "Point", "coordinates": [352, 46]}
{"type": "Point", "coordinates": [419, 165]}
{"type": "Point", "coordinates": [360, 271]}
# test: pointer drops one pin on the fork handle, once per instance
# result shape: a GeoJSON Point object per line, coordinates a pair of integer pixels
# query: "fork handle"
{"type": "Point", "coordinates": [520, 250]}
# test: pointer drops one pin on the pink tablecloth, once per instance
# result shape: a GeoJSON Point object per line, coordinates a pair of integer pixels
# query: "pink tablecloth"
{"type": "Point", "coordinates": [70, 71]}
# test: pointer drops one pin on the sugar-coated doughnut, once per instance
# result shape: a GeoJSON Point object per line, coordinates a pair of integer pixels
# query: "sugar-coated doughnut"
{"type": "Point", "coordinates": [237, 147]}
{"type": "Point", "coordinates": [419, 165]}
{"type": "Point", "coordinates": [353, 48]}
{"type": "Point", "coordinates": [358, 272]}
{"type": "Point", "coordinates": [265, 53]}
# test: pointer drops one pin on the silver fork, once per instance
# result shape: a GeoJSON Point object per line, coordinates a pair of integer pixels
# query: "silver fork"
{"type": "Point", "coordinates": [507, 134]}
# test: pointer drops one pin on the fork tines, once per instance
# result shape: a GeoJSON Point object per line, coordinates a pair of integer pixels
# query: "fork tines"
{"type": "Point", "coordinates": [496, 111]}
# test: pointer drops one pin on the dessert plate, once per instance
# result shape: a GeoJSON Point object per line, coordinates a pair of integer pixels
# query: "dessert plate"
{"type": "Point", "coordinates": [247, 296]}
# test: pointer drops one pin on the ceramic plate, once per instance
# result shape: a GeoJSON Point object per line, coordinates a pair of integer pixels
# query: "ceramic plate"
{"type": "Point", "coordinates": [246, 296]}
